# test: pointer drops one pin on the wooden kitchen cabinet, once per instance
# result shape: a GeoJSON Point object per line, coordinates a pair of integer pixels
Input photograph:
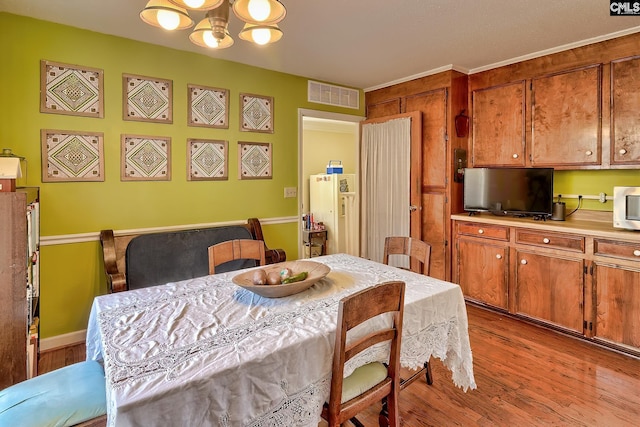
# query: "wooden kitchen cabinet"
{"type": "Point", "coordinates": [625, 104]}
{"type": "Point", "coordinates": [549, 288]}
{"type": "Point", "coordinates": [485, 279]}
{"type": "Point", "coordinates": [482, 263]}
{"type": "Point", "coordinates": [616, 293]}
{"type": "Point", "coordinates": [498, 137]}
{"type": "Point", "coordinates": [566, 114]}
{"type": "Point", "coordinates": [580, 277]}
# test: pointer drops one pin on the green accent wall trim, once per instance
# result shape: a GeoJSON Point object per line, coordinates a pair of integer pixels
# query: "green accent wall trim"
{"type": "Point", "coordinates": [66, 239]}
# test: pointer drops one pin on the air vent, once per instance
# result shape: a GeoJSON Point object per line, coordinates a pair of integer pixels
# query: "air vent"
{"type": "Point", "coordinates": [323, 93]}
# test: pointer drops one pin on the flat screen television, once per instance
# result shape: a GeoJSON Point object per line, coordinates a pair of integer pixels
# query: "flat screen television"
{"type": "Point", "coordinates": [509, 191]}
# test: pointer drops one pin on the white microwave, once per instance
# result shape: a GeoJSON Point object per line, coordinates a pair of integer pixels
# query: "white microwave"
{"type": "Point", "coordinates": [626, 207]}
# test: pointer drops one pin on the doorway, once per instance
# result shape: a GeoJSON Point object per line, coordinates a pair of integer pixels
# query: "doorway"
{"type": "Point", "coordinates": [324, 136]}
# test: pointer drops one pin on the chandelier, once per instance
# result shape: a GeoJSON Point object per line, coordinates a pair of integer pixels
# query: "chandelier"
{"type": "Point", "coordinates": [260, 19]}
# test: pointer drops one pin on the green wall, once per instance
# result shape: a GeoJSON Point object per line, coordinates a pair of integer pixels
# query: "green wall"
{"type": "Point", "coordinates": [593, 182]}
{"type": "Point", "coordinates": [71, 274]}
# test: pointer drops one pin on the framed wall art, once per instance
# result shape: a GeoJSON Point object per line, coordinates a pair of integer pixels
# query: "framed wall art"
{"type": "Point", "coordinates": [145, 158]}
{"type": "Point", "coordinates": [207, 160]}
{"type": "Point", "coordinates": [254, 160]}
{"type": "Point", "coordinates": [256, 113]}
{"type": "Point", "coordinates": [147, 99]}
{"type": "Point", "coordinates": [71, 89]}
{"type": "Point", "coordinates": [208, 107]}
{"type": "Point", "coordinates": [72, 156]}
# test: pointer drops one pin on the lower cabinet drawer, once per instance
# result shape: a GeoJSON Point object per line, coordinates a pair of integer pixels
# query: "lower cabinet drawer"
{"type": "Point", "coordinates": [550, 240]}
{"type": "Point", "coordinates": [483, 230]}
{"type": "Point", "coordinates": [622, 250]}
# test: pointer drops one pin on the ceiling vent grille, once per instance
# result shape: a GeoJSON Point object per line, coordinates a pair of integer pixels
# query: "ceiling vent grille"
{"type": "Point", "coordinates": [339, 96]}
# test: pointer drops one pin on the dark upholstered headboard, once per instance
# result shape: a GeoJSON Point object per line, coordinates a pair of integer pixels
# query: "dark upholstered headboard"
{"type": "Point", "coordinates": [133, 261]}
{"type": "Point", "coordinates": [158, 258]}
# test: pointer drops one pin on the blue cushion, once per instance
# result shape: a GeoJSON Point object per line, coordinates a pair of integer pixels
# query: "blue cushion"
{"type": "Point", "coordinates": [63, 397]}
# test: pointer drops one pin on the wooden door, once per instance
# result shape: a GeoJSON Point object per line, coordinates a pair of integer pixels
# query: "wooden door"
{"type": "Point", "coordinates": [616, 316]}
{"type": "Point", "coordinates": [550, 288]}
{"type": "Point", "coordinates": [499, 126]}
{"type": "Point", "coordinates": [482, 271]}
{"type": "Point", "coordinates": [433, 186]}
{"type": "Point", "coordinates": [566, 119]}
{"type": "Point", "coordinates": [625, 104]}
{"type": "Point", "coordinates": [414, 210]}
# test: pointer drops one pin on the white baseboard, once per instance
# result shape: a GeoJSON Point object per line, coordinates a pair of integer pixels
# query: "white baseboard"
{"type": "Point", "coordinates": [63, 340]}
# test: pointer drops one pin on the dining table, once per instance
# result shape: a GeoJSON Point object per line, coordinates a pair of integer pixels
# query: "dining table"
{"type": "Point", "coordinates": [207, 352]}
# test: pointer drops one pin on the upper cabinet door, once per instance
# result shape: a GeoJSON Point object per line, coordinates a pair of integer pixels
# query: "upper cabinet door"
{"type": "Point", "coordinates": [625, 108]}
{"type": "Point", "coordinates": [498, 126]}
{"type": "Point", "coordinates": [566, 119]}
{"type": "Point", "coordinates": [385, 108]}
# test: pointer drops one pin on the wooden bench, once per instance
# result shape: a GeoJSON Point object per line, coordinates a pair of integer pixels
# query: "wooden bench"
{"type": "Point", "coordinates": [133, 261]}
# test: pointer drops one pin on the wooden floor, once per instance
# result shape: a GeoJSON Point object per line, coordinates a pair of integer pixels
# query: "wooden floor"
{"type": "Point", "coordinates": [526, 376]}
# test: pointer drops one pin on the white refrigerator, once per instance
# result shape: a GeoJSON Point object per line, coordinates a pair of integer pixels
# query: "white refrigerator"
{"type": "Point", "coordinates": [333, 200]}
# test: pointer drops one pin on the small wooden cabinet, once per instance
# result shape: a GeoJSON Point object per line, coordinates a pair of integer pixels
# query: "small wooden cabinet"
{"type": "Point", "coordinates": [549, 288]}
{"type": "Point", "coordinates": [581, 284]}
{"type": "Point", "coordinates": [498, 137]}
{"type": "Point", "coordinates": [19, 252]}
{"type": "Point", "coordinates": [616, 293]}
{"type": "Point", "coordinates": [486, 279]}
{"type": "Point", "coordinates": [566, 112]}
{"type": "Point", "coordinates": [625, 104]}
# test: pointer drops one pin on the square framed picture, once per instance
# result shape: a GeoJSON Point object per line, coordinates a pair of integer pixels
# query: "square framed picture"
{"type": "Point", "coordinates": [147, 99]}
{"type": "Point", "coordinates": [145, 158]}
{"type": "Point", "coordinates": [71, 89]}
{"type": "Point", "coordinates": [208, 107]}
{"type": "Point", "coordinates": [72, 156]}
{"type": "Point", "coordinates": [254, 160]}
{"type": "Point", "coordinates": [208, 160]}
{"type": "Point", "coordinates": [256, 113]}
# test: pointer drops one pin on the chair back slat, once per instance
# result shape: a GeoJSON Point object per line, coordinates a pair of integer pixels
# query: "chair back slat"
{"type": "Point", "coordinates": [236, 249]}
{"type": "Point", "coordinates": [413, 248]}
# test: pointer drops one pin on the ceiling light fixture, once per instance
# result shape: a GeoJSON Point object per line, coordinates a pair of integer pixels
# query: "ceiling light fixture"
{"type": "Point", "coordinates": [259, 16]}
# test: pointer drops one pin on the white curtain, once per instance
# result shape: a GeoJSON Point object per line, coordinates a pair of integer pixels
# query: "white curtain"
{"type": "Point", "coordinates": [385, 156]}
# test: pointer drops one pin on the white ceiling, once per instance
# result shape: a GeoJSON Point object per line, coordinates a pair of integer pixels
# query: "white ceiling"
{"type": "Point", "coordinates": [371, 43]}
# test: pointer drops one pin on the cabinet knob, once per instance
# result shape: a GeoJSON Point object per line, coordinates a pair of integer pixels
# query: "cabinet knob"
{"type": "Point", "coordinates": [588, 152]}
{"type": "Point", "coordinates": [515, 156]}
{"type": "Point", "coordinates": [546, 240]}
{"type": "Point", "coordinates": [636, 252]}
{"type": "Point", "coordinates": [499, 256]}
{"type": "Point", "coordinates": [481, 231]}
{"type": "Point", "coordinates": [523, 261]}
{"type": "Point", "coordinates": [622, 151]}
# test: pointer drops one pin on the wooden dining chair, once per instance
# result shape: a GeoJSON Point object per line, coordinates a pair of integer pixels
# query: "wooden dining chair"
{"type": "Point", "coordinates": [417, 251]}
{"type": "Point", "coordinates": [238, 249]}
{"type": "Point", "coordinates": [373, 382]}
{"type": "Point", "coordinates": [420, 253]}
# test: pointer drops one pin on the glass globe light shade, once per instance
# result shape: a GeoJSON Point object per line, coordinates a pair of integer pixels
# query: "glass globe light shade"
{"type": "Point", "coordinates": [194, 4]}
{"type": "Point", "coordinates": [168, 19]}
{"type": "Point", "coordinates": [209, 39]}
{"type": "Point", "coordinates": [259, 9]}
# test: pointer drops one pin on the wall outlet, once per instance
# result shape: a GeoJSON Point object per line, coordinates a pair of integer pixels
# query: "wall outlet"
{"type": "Point", "coordinates": [603, 197]}
{"type": "Point", "coordinates": [290, 192]}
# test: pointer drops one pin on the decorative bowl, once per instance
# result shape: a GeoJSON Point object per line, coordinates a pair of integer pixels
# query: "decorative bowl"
{"type": "Point", "coordinates": [316, 271]}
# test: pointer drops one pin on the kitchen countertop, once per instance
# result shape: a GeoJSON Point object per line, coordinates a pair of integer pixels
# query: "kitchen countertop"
{"type": "Point", "coordinates": [588, 223]}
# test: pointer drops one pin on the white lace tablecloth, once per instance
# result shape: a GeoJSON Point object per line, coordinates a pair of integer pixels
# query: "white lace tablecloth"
{"type": "Point", "coordinates": [205, 352]}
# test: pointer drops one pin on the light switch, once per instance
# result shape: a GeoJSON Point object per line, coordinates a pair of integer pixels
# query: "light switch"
{"type": "Point", "coordinates": [290, 192]}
